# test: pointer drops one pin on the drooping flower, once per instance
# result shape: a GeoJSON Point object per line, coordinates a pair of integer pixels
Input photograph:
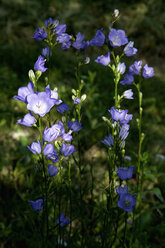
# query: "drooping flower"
{"type": "Point", "coordinates": [103, 60]}
{"type": "Point", "coordinates": [121, 68]}
{"type": "Point", "coordinates": [67, 150]}
{"type": "Point", "coordinates": [35, 147]}
{"type": "Point", "coordinates": [53, 157]}
{"type": "Point", "coordinates": [53, 95]}
{"type": "Point", "coordinates": [40, 103]}
{"type": "Point", "coordinates": [52, 170]}
{"type": "Point", "coordinates": [124, 173]}
{"type": "Point", "coordinates": [148, 72]}
{"type": "Point", "coordinates": [40, 64]}
{"type": "Point", "coordinates": [126, 202]}
{"type": "Point", "coordinates": [117, 38]}
{"type": "Point", "coordinates": [128, 80]}
{"type": "Point", "coordinates": [23, 92]}
{"type": "Point", "coordinates": [40, 35]}
{"type": "Point", "coordinates": [48, 149]}
{"type": "Point", "coordinates": [75, 126]}
{"type": "Point", "coordinates": [122, 190]}
{"type": "Point", "coordinates": [60, 29]}
{"type": "Point", "coordinates": [108, 141]}
{"type": "Point", "coordinates": [27, 121]}
{"type": "Point", "coordinates": [124, 132]}
{"type": "Point", "coordinates": [53, 132]}
{"type": "Point", "coordinates": [37, 205]}
{"type": "Point", "coordinates": [64, 38]}
{"type": "Point", "coordinates": [62, 220]}
{"type": "Point", "coordinates": [128, 94]}
{"type": "Point", "coordinates": [76, 100]}
{"type": "Point", "coordinates": [127, 118]}
{"type": "Point", "coordinates": [80, 43]}
{"type": "Point", "coordinates": [99, 39]}
{"type": "Point", "coordinates": [118, 115]}
{"type": "Point", "coordinates": [63, 108]}
{"type": "Point", "coordinates": [135, 68]}
{"type": "Point", "coordinates": [46, 52]}
{"type": "Point", "coordinates": [67, 137]}
{"type": "Point", "coordinates": [129, 50]}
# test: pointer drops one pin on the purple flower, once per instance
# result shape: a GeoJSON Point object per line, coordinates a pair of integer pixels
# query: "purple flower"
{"type": "Point", "coordinates": [128, 94]}
{"type": "Point", "coordinates": [103, 60]}
{"type": "Point", "coordinates": [67, 150]}
{"type": "Point", "coordinates": [49, 22]}
{"type": "Point", "coordinates": [122, 190]}
{"type": "Point", "coordinates": [64, 38]}
{"type": "Point", "coordinates": [53, 95]}
{"type": "Point", "coordinates": [67, 137]}
{"type": "Point", "coordinates": [48, 149]}
{"type": "Point", "coordinates": [53, 157]}
{"type": "Point", "coordinates": [39, 103]}
{"type": "Point", "coordinates": [62, 220]}
{"type": "Point", "coordinates": [23, 92]}
{"type": "Point", "coordinates": [63, 108]}
{"type": "Point", "coordinates": [99, 39]}
{"type": "Point", "coordinates": [127, 118]}
{"type": "Point", "coordinates": [124, 132]}
{"type": "Point", "coordinates": [40, 35]}
{"type": "Point", "coordinates": [60, 29]}
{"type": "Point", "coordinates": [52, 170]}
{"type": "Point", "coordinates": [126, 202]}
{"type": "Point", "coordinates": [27, 121]}
{"type": "Point", "coordinates": [108, 141]}
{"type": "Point", "coordinates": [129, 50]}
{"type": "Point", "coordinates": [46, 52]}
{"type": "Point", "coordinates": [53, 132]}
{"type": "Point", "coordinates": [117, 38]}
{"type": "Point", "coordinates": [128, 79]}
{"type": "Point", "coordinates": [39, 64]}
{"type": "Point", "coordinates": [76, 100]}
{"type": "Point", "coordinates": [80, 43]}
{"type": "Point", "coordinates": [148, 72]}
{"type": "Point", "coordinates": [124, 173]}
{"type": "Point", "coordinates": [121, 68]}
{"type": "Point", "coordinates": [135, 68]}
{"type": "Point", "coordinates": [75, 126]}
{"type": "Point", "coordinates": [35, 147]}
{"type": "Point", "coordinates": [37, 205]}
{"type": "Point", "coordinates": [118, 115]}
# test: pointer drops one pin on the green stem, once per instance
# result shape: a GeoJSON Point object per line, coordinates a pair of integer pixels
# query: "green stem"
{"type": "Point", "coordinates": [70, 196]}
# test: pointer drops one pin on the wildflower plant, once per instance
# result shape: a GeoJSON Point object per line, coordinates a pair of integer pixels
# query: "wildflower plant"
{"type": "Point", "coordinates": [58, 146]}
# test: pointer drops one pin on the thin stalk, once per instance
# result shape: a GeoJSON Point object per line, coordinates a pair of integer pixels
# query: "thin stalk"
{"type": "Point", "coordinates": [70, 196]}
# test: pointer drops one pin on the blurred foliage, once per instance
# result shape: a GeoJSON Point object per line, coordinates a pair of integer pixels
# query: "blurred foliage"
{"type": "Point", "coordinates": [144, 22]}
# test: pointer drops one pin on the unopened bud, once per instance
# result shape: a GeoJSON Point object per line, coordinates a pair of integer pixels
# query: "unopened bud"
{"type": "Point", "coordinates": [74, 91]}
{"type": "Point", "coordinates": [116, 12]}
{"type": "Point", "coordinates": [63, 119]}
{"type": "Point", "coordinates": [87, 60]}
{"type": "Point", "coordinates": [83, 97]}
{"type": "Point", "coordinates": [31, 75]}
{"type": "Point", "coordinates": [38, 75]}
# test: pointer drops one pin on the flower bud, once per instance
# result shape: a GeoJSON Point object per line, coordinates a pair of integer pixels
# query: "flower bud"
{"type": "Point", "coordinates": [87, 60]}
{"type": "Point", "coordinates": [31, 76]}
{"type": "Point", "coordinates": [38, 75]}
{"type": "Point", "coordinates": [74, 91]}
{"type": "Point", "coordinates": [83, 97]}
{"type": "Point", "coordinates": [116, 12]}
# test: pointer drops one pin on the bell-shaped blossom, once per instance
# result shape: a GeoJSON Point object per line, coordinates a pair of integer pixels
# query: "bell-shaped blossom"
{"type": "Point", "coordinates": [121, 68]}
{"type": "Point", "coordinates": [103, 60]}
{"type": "Point", "coordinates": [127, 118]}
{"type": "Point", "coordinates": [62, 220]}
{"type": "Point", "coordinates": [67, 137]}
{"type": "Point", "coordinates": [52, 170]}
{"type": "Point", "coordinates": [99, 39]}
{"type": "Point", "coordinates": [53, 95]}
{"type": "Point", "coordinates": [40, 103]}
{"type": "Point", "coordinates": [79, 43]}
{"type": "Point", "coordinates": [67, 150]}
{"type": "Point", "coordinates": [122, 190]}
{"type": "Point", "coordinates": [40, 64]}
{"type": "Point", "coordinates": [128, 94]}
{"type": "Point", "coordinates": [124, 173]}
{"type": "Point", "coordinates": [129, 50]}
{"type": "Point", "coordinates": [27, 121]}
{"type": "Point", "coordinates": [118, 115]}
{"type": "Point", "coordinates": [126, 202]}
{"type": "Point", "coordinates": [76, 100]}
{"type": "Point", "coordinates": [148, 72]}
{"type": "Point", "coordinates": [135, 68]}
{"type": "Point", "coordinates": [35, 147]}
{"type": "Point", "coordinates": [124, 132]}
{"type": "Point", "coordinates": [53, 132]}
{"type": "Point", "coordinates": [128, 80]}
{"type": "Point", "coordinates": [53, 157]}
{"type": "Point", "coordinates": [108, 141]}
{"type": "Point", "coordinates": [48, 149]}
{"type": "Point", "coordinates": [37, 205]}
{"type": "Point", "coordinates": [75, 126]}
{"type": "Point", "coordinates": [40, 35]}
{"type": "Point", "coordinates": [60, 29]}
{"type": "Point", "coordinates": [46, 52]}
{"type": "Point", "coordinates": [63, 108]}
{"type": "Point", "coordinates": [64, 39]}
{"type": "Point", "coordinates": [48, 22]}
{"type": "Point", "coordinates": [23, 92]}
{"type": "Point", "coordinates": [117, 38]}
